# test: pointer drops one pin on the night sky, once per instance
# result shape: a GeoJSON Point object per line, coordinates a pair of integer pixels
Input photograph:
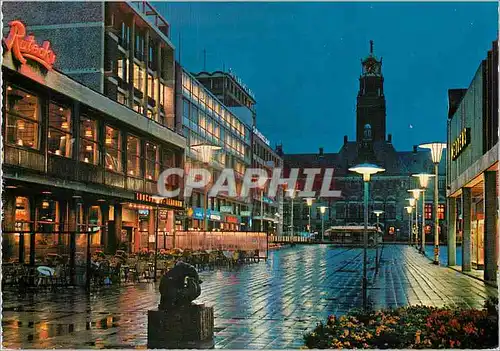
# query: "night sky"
{"type": "Point", "coordinates": [302, 61]}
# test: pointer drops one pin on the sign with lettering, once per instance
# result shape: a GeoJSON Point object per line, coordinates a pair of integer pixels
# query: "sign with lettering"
{"type": "Point", "coordinates": [166, 201]}
{"type": "Point", "coordinates": [214, 215]}
{"type": "Point", "coordinates": [232, 219]}
{"type": "Point", "coordinates": [460, 143]}
{"type": "Point", "coordinates": [261, 136]}
{"type": "Point", "coordinates": [245, 213]}
{"type": "Point", "coordinates": [226, 209]}
{"type": "Point", "coordinates": [163, 215]}
{"type": "Point", "coordinates": [25, 47]}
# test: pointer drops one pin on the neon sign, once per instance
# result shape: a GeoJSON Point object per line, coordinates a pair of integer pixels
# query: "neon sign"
{"type": "Point", "coordinates": [460, 143]}
{"type": "Point", "coordinates": [25, 47]}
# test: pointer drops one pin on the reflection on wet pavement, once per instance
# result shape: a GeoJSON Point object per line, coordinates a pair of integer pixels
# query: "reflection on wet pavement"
{"type": "Point", "coordinates": [262, 305]}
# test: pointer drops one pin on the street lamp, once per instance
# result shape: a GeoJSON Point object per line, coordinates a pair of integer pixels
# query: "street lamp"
{"type": "Point", "coordinates": [156, 199]}
{"type": "Point", "coordinates": [291, 193]}
{"type": "Point", "coordinates": [436, 153]}
{"type": "Point", "coordinates": [409, 210]}
{"type": "Point", "coordinates": [416, 195]}
{"type": "Point", "coordinates": [205, 151]}
{"type": "Point", "coordinates": [424, 183]}
{"type": "Point", "coordinates": [322, 209]}
{"type": "Point", "coordinates": [414, 232]}
{"type": "Point", "coordinates": [309, 201]}
{"type": "Point", "coordinates": [377, 213]}
{"type": "Point", "coordinates": [365, 169]}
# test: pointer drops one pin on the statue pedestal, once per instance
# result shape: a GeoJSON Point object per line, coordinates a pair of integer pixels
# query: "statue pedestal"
{"type": "Point", "coordinates": [186, 327]}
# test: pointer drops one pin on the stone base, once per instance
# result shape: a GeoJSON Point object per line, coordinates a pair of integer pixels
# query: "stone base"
{"type": "Point", "coordinates": [187, 327]}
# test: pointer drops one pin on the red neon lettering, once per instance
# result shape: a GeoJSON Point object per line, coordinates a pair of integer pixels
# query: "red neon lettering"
{"type": "Point", "coordinates": [25, 47]}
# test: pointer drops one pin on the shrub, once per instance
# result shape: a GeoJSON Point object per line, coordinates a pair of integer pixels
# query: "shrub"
{"type": "Point", "coordinates": [409, 327]}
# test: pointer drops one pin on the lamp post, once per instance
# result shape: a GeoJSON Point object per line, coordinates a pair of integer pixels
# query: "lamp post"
{"type": "Point", "coordinates": [291, 193]}
{"type": "Point", "coordinates": [436, 153]}
{"type": "Point", "coordinates": [377, 213]}
{"type": "Point", "coordinates": [416, 195]}
{"type": "Point", "coordinates": [205, 151]}
{"type": "Point", "coordinates": [365, 169]}
{"type": "Point", "coordinates": [424, 183]}
{"type": "Point", "coordinates": [156, 199]}
{"type": "Point", "coordinates": [309, 201]}
{"type": "Point", "coordinates": [322, 209]}
{"type": "Point", "coordinates": [409, 210]}
{"type": "Point", "coordinates": [414, 232]}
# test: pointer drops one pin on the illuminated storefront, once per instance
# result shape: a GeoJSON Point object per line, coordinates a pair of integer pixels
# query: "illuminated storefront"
{"type": "Point", "coordinates": [76, 164]}
{"type": "Point", "coordinates": [472, 165]}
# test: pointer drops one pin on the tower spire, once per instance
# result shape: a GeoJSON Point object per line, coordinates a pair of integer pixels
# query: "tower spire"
{"type": "Point", "coordinates": [371, 47]}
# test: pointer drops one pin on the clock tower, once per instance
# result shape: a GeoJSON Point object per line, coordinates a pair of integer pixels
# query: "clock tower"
{"type": "Point", "coordinates": [370, 107]}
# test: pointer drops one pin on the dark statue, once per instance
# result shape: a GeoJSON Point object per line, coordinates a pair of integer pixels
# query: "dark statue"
{"type": "Point", "coordinates": [179, 286]}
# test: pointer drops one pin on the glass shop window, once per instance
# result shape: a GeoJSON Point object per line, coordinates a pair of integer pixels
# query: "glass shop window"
{"type": "Point", "coordinates": [47, 219]}
{"type": "Point", "coordinates": [113, 149]}
{"type": "Point", "coordinates": [22, 118]}
{"type": "Point", "coordinates": [89, 147]}
{"type": "Point", "coordinates": [95, 220]}
{"type": "Point", "coordinates": [60, 140]}
{"type": "Point", "coordinates": [134, 156]}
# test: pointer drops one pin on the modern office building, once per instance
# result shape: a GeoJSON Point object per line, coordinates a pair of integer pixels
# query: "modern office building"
{"type": "Point", "coordinates": [119, 49]}
{"type": "Point", "coordinates": [75, 155]}
{"type": "Point", "coordinates": [388, 190]}
{"type": "Point", "coordinates": [204, 120]}
{"type": "Point", "coordinates": [267, 211]}
{"type": "Point", "coordinates": [264, 213]}
{"type": "Point", "coordinates": [472, 170]}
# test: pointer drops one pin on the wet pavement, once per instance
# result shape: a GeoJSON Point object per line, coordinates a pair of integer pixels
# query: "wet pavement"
{"type": "Point", "coordinates": [261, 305]}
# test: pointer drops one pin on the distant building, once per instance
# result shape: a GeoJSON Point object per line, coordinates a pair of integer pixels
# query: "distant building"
{"type": "Point", "coordinates": [265, 213]}
{"type": "Point", "coordinates": [388, 190]}
{"type": "Point", "coordinates": [472, 165]}
{"type": "Point", "coordinates": [203, 119]}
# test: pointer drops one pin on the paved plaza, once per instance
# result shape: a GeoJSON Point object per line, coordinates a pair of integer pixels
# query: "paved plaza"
{"type": "Point", "coordinates": [261, 305]}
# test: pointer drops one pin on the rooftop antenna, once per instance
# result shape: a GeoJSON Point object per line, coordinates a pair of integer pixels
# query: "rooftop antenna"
{"type": "Point", "coordinates": [180, 48]}
{"type": "Point", "coordinates": [204, 60]}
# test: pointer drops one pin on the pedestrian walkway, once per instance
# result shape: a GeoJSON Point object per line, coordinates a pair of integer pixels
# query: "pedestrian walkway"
{"type": "Point", "coordinates": [264, 305]}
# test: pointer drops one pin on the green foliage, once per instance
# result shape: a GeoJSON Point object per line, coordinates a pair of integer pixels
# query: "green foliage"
{"type": "Point", "coordinates": [409, 327]}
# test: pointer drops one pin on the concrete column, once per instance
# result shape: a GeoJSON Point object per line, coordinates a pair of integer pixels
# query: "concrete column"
{"type": "Point", "coordinates": [71, 225]}
{"type": "Point", "coordinates": [8, 224]}
{"type": "Point", "coordinates": [131, 55]}
{"type": "Point", "coordinates": [466, 239]}
{"type": "Point", "coordinates": [452, 231]}
{"type": "Point", "coordinates": [490, 233]}
{"type": "Point", "coordinates": [114, 238]}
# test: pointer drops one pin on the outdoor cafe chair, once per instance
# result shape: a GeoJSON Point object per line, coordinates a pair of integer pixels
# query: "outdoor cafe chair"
{"type": "Point", "coordinates": [46, 275]}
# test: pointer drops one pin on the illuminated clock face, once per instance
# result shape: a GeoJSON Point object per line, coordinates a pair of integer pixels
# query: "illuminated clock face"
{"type": "Point", "coordinates": [370, 67]}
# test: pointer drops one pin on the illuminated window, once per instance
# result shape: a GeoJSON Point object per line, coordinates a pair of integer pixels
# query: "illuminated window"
{"type": "Point", "coordinates": [441, 209]}
{"type": "Point", "coordinates": [151, 86]}
{"type": "Point", "coordinates": [163, 91]}
{"type": "Point", "coordinates": [195, 90]}
{"type": "Point", "coordinates": [152, 162]}
{"type": "Point", "coordinates": [134, 156]}
{"type": "Point", "coordinates": [150, 114]}
{"type": "Point", "coordinates": [60, 126]}
{"type": "Point", "coordinates": [122, 98]}
{"type": "Point", "coordinates": [23, 118]}
{"type": "Point", "coordinates": [123, 69]}
{"type": "Point", "coordinates": [89, 147]}
{"type": "Point", "coordinates": [95, 220]}
{"type": "Point", "coordinates": [113, 149]}
{"type": "Point", "coordinates": [138, 77]}
{"type": "Point", "coordinates": [138, 107]}
{"type": "Point", "coordinates": [428, 211]}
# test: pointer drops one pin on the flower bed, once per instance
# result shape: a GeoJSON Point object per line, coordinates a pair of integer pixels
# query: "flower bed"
{"type": "Point", "coordinates": [410, 327]}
